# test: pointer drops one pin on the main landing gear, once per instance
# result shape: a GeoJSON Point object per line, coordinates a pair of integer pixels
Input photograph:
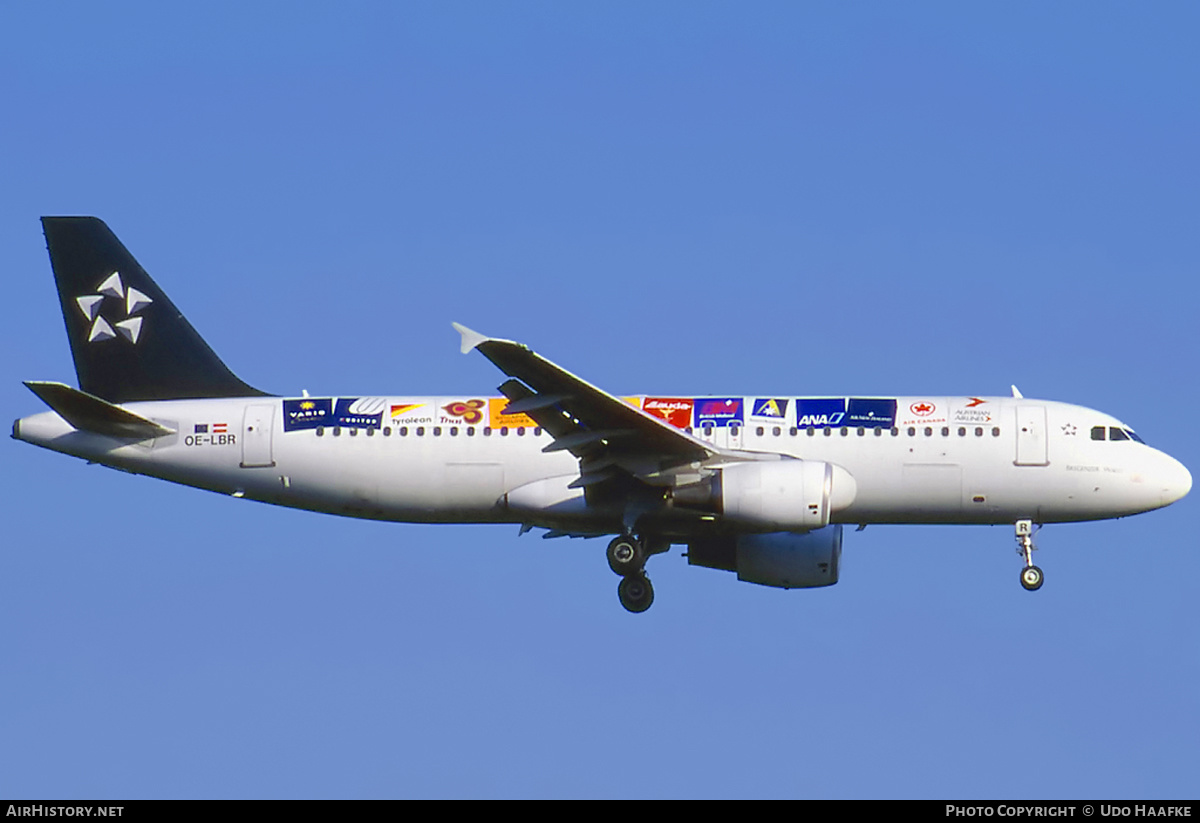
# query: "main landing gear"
{"type": "Point", "coordinates": [1031, 576]}
{"type": "Point", "coordinates": [627, 557]}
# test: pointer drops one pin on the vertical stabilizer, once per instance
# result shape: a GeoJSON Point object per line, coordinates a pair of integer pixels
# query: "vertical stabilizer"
{"type": "Point", "coordinates": [128, 340]}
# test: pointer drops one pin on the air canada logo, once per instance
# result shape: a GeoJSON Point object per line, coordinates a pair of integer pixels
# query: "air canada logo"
{"type": "Point", "coordinates": [922, 409]}
{"type": "Point", "coordinates": [109, 294]}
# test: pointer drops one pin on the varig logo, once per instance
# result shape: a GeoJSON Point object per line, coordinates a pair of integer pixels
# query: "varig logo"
{"type": "Point", "coordinates": [130, 299]}
{"type": "Point", "coordinates": [922, 408]}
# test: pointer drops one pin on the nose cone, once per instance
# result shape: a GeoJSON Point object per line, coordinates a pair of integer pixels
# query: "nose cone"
{"type": "Point", "coordinates": [1173, 479]}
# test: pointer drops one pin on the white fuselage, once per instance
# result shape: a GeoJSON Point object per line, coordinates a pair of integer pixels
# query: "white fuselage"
{"type": "Point", "coordinates": [438, 459]}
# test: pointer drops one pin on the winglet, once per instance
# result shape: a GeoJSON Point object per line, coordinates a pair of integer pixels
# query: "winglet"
{"type": "Point", "coordinates": [470, 339]}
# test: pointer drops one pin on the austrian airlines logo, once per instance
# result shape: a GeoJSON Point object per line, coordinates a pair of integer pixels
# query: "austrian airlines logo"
{"type": "Point", "coordinates": [130, 299]}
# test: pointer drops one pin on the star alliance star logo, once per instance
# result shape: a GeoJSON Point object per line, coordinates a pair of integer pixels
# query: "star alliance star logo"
{"type": "Point", "coordinates": [1069, 429]}
{"type": "Point", "coordinates": [132, 300]}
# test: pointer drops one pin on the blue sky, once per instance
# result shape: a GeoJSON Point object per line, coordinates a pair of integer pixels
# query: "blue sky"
{"type": "Point", "coordinates": [675, 198]}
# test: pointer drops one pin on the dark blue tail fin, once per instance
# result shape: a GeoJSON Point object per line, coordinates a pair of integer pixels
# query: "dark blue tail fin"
{"type": "Point", "coordinates": [128, 340]}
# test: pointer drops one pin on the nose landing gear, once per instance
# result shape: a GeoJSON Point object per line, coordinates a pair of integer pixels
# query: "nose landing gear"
{"type": "Point", "coordinates": [1031, 576]}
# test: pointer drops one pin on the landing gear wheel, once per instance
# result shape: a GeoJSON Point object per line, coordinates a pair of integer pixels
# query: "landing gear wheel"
{"type": "Point", "coordinates": [626, 556]}
{"type": "Point", "coordinates": [636, 593]}
{"type": "Point", "coordinates": [1032, 578]}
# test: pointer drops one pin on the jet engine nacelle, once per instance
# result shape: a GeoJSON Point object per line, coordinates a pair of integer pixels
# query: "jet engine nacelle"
{"type": "Point", "coordinates": [784, 495]}
{"type": "Point", "coordinates": [786, 560]}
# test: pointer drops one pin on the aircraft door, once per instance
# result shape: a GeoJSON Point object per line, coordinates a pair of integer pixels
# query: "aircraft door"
{"type": "Point", "coordinates": [258, 424]}
{"type": "Point", "coordinates": [734, 435]}
{"type": "Point", "coordinates": [1031, 436]}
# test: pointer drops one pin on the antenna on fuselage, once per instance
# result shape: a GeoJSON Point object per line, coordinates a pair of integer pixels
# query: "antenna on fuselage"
{"type": "Point", "coordinates": [1017, 393]}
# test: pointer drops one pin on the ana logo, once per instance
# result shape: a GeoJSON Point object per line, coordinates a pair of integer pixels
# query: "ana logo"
{"type": "Point", "coordinates": [820, 421]}
{"type": "Point", "coordinates": [922, 409]}
{"type": "Point", "coordinates": [470, 411]}
{"type": "Point", "coordinates": [130, 299]}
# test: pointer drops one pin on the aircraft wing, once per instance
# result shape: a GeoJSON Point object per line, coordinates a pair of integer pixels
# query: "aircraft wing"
{"type": "Point", "coordinates": [608, 435]}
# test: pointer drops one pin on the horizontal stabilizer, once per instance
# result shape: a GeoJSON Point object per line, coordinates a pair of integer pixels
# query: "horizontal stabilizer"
{"type": "Point", "coordinates": [89, 413]}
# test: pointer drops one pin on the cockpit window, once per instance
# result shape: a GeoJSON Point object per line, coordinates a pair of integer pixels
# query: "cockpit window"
{"type": "Point", "coordinates": [1117, 434]}
{"type": "Point", "coordinates": [1133, 436]}
{"type": "Point", "coordinates": [1097, 432]}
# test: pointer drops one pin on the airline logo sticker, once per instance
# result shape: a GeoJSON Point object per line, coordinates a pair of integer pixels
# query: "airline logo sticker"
{"type": "Point", "coordinates": [726, 411]}
{"type": "Point", "coordinates": [769, 407]}
{"type": "Point", "coordinates": [463, 411]}
{"type": "Point", "coordinates": [975, 411]}
{"type": "Point", "coordinates": [820, 412]}
{"type": "Point", "coordinates": [359, 412]}
{"type": "Point", "coordinates": [870, 413]}
{"type": "Point", "coordinates": [922, 412]}
{"type": "Point", "coordinates": [410, 414]}
{"type": "Point", "coordinates": [129, 302]}
{"type": "Point", "coordinates": [498, 419]}
{"type": "Point", "coordinates": [307, 413]}
{"type": "Point", "coordinates": [210, 434]}
{"type": "Point", "coordinates": [675, 410]}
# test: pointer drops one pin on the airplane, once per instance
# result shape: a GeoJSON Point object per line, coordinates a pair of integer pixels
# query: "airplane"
{"type": "Point", "coordinates": [759, 486]}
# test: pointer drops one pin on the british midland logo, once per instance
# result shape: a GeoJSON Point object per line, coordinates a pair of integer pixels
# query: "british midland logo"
{"type": "Point", "coordinates": [109, 293]}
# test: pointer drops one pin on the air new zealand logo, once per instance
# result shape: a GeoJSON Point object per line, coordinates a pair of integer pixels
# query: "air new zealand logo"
{"type": "Point", "coordinates": [130, 299]}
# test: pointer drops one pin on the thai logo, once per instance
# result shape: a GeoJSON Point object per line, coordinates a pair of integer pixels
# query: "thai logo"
{"type": "Point", "coordinates": [922, 408]}
{"type": "Point", "coordinates": [471, 411]}
{"type": "Point", "coordinates": [129, 299]}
